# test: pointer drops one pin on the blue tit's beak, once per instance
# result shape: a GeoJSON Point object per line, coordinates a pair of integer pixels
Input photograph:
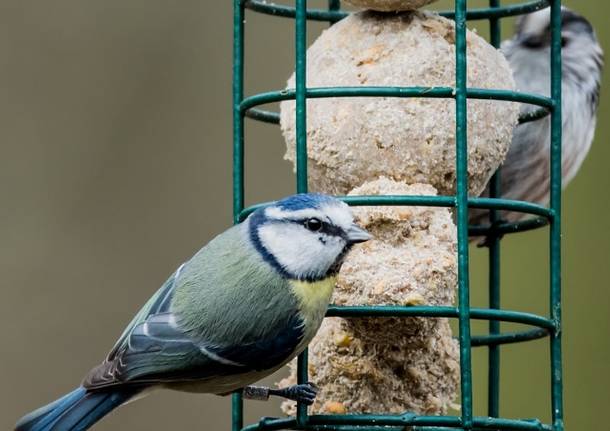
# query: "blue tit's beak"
{"type": "Point", "coordinates": [356, 234]}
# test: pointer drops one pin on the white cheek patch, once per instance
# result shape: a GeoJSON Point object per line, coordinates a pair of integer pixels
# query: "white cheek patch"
{"type": "Point", "coordinates": [300, 251]}
{"type": "Point", "coordinates": [339, 214]}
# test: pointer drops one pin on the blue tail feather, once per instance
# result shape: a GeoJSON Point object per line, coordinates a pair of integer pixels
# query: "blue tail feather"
{"type": "Point", "coordinates": [41, 417]}
{"type": "Point", "coordinates": [76, 411]}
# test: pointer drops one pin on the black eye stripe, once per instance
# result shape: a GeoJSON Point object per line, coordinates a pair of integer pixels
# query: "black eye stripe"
{"type": "Point", "coordinates": [327, 228]}
{"type": "Point", "coordinates": [331, 229]}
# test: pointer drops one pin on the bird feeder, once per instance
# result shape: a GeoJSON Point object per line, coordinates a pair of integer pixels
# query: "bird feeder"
{"type": "Point", "coordinates": [411, 201]}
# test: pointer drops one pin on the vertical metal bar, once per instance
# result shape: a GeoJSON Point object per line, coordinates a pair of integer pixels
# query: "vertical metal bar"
{"type": "Point", "coordinates": [493, 376]}
{"type": "Point", "coordinates": [302, 377]}
{"type": "Point", "coordinates": [238, 118]}
{"type": "Point", "coordinates": [237, 404]}
{"type": "Point", "coordinates": [555, 231]}
{"type": "Point", "coordinates": [301, 153]}
{"type": "Point", "coordinates": [334, 5]}
{"type": "Point", "coordinates": [494, 26]}
{"type": "Point", "coordinates": [493, 242]}
{"type": "Point", "coordinates": [462, 211]}
{"type": "Point", "coordinates": [301, 107]}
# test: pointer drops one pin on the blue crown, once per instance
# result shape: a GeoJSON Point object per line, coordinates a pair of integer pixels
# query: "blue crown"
{"type": "Point", "coordinates": [305, 200]}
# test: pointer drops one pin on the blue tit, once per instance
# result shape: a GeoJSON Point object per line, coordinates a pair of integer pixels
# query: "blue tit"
{"type": "Point", "coordinates": [525, 172]}
{"type": "Point", "coordinates": [241, 308]}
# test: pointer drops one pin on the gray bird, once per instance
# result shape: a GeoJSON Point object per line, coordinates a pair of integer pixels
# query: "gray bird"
{"type": "Point", "coordinates": [525, 172]}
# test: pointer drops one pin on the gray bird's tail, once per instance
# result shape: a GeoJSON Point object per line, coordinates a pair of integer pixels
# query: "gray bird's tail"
{"type": "Point", "coordinates": [76, 411]}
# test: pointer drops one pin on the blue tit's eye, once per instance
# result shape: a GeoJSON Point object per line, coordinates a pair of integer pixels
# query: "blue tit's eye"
{"type": "Point", "coordinates": [313, 224]}
{"type": "Point", "coordinates": [564, 41]}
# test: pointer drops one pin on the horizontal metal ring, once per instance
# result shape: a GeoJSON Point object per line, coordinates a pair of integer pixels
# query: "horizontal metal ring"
{"type": "Point", "coordinates": [440, 311]}
{"type": "Point", "coordinates": [271, 117]}
{"type": "Point", "coordinates": [264, 7]}
{"type": "Point", "coordinates": [508, 227]}
{"type": "Point", "coordinates": [263, 115]}
{"type": "Point", "coordinates": [428, 92]}
{"type": "Point", "coordinates": [335, 422]}
{"type": "Point", "coordinates": [508, 337]}
{"type": "Point", "coordinates": [433, 201]}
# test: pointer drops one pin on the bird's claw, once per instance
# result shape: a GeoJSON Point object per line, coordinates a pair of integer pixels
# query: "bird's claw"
{"type": "Point", "coordinates": [304, 393]}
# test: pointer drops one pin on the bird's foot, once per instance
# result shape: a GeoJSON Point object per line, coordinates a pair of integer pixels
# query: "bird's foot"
{"type": "Point", "coordinates": [305, 393]}
{"type": "Point", "coordinates": [260, 393]}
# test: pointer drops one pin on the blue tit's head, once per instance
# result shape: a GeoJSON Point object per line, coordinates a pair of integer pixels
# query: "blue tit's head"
{"type": "Point", "coordinates": [305, 236]}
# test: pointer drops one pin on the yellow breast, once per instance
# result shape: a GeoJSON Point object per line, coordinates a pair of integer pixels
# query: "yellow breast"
{"type": "Point", "coordinates": [313, 298]}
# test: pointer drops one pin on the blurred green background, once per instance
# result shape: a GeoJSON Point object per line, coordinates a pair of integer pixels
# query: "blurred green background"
{"type": "Point", "coordinates": [115, 165]}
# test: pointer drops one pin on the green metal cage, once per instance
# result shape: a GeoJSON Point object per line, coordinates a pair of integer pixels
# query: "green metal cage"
{"type": "Point", "coordinates": [541, 326]}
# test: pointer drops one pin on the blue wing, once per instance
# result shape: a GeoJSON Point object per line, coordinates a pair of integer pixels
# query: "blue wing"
{"type": "Point", "coordinates": [158, 303]}
{"type": "Point", "coordinates": [224, 312]}
{"type": "Point", "coordinates": [154, 349]}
